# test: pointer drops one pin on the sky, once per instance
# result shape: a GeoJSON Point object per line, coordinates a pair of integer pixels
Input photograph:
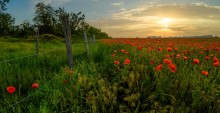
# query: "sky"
{"type": "Point", "coordinates": [135, 18]}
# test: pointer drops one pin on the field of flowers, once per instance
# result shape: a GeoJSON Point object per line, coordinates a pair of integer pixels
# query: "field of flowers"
{"type": "Point", "coordinates": [119, 75]}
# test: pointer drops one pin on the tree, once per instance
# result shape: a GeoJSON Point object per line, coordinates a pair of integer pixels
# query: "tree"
{"type": "Point", "coordinates": [3, 5]}
{"type": "Point", "coordinates": [44, 18]}
{"type": "Point", "coordinates": [6, 23]}
{"type": "Point", "coordinates": [26, 28]}
{"type": "Point", "coordinates": [93, 31]}
{"type": "Point", "coordinates": [76, 20]}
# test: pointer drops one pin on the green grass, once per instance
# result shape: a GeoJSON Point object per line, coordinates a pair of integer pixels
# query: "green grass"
{"type": "Point", "coordinates": [98, 85]}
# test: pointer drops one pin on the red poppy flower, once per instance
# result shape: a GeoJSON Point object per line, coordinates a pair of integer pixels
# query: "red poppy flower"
{"type": "Point", "coordinates": [140, 48]}
{"type": "Point", "coordinates": [196, 61]}
{"type": "Point", "coordinates": [168, 56]}
{"type": "Point", "coordinates": [115, 51]}
{"type": "Point", "coordinates": [172, 67]}
{"type": "Point", "coordinates": [35, 85]}
{"type": "Point", "coordinates": [184, 51]}
{"type": "Point", "coordinates": [169, 49]}
{"type": "Point", "coordinates": [116, 62]}
{"type": "Point", "coordinates": [122, 50]}
{"type": "Point", "coordinates": [152, 62]}
{"type": "Point", "coordinates": [178, 56]}
{"type": "Point", "coordinates": [215, 59]}
{"type": "Point", "coordinates": [160, 49]}
{"type": "Point", "coordinates": [185, 58]}
{"type": "Point", "coordinates": [113, 54]}
{"type": "Point", "coordinates": [11, 89]}
{"type": "Point", "coordinates": [159, 67]}
{"type": "Point", "coordinates": [167, 61]}
{"type": "Point", "coordinates": [126, 52]}
{"type": "Point", "coordinates": [205, 72]}
{"type": "Point", "coordinates": [127, 61]}
{"type": "Point", "coordinates": [207, 57]}
{"type": "Point", "coordinates": [70, 72]}
{"type": "Point", "coordinates": [216, 64]}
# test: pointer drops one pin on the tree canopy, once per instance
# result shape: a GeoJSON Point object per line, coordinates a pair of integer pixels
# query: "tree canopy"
{"type": "Point", "coordinates": [3, 5]}
{"type": "Point", "coordinates": [48, 21]}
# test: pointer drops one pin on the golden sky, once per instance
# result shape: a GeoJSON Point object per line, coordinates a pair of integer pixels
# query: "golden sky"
{"type": "Point", "coordinates": [136, 18]}
{"type": "Point", "coordinates": [162, 20]}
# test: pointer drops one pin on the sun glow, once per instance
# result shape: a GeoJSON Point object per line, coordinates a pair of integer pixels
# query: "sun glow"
{"type": "Point", "coordinates": [165, 22]}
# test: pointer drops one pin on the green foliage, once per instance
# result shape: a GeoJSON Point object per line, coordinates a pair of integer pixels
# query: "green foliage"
{"type": "Point", "coordinates": [92, 31]}
{"type": "Point", "coordinates": [44, 18]}
{"type": "Point", "coordinates": [3, 5]}
{"type": "Point", "coordinates": [98, 85]}
{"type": "Point", "coordinates": [49, 37]}
{"type": "Point", "coordinates": [6, 23]}
{"type": "Point", "coordinates": [48, 21]}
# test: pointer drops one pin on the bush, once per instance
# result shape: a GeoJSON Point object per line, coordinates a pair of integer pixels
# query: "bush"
{"type": "Point", "coordinates": [48, 37]}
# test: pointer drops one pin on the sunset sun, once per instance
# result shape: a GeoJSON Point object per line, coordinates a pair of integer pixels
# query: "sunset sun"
{"type": "Point", "coordinates": [165, 22]}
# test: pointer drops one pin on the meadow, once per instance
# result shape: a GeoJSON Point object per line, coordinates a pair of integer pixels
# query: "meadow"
{"type": "Point", "coordinates": [119, 75]}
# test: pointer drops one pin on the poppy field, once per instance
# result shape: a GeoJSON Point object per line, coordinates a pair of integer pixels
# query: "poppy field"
{"type": "Point", "coordinates": [132, 75]}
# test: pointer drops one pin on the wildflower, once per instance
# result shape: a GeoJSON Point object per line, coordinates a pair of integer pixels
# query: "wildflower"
{"type": "Point", "coordinates": [35, 85]}
{"type": "Point", "coordinates": [70, 72]}
{"type": "Point", "coordinates": [168, 56]}
{"type": "Point", "coordinates": [65, 69]}
{"type": "Point", "coordinates": [115, 51]}
{"type": "Point", "coordinates": [66, 82]}
{"type": "Point", "coordinates": [178, 56]}
{"type": "Point", "coordinates": [169, 49]}
{"type": "Point", "coordinates": [205, 72]}
{"type": "Point", "coordinates": [11, 89]}
{"type": "Point", "coordinates": [113, 54]}
{"type": "Point", "coordinates": [185, 58]}
{"type": "Point", "coordinates": [176, 49]}
{"type": "Point", "coordinates": [116, 62]}
{"type": "Point", "coordinates": [167, 61]}
{"type": "Point", "coordinates": [126, 52]}
{"type": "Point", "coordinates": [160, 49]}
{"type": "Point", "coordinates": [201, 52]}
{"type": "Point", "coordinates": [172, 67]}
{"type": "Point", "coordinates": [127, 61]}
{"type": "Point", "coordinates": [140, 48]}
{"type": "Point", "coordinates": [122, 50]}
{"type": "Point", "coordinates": [207, 57]}
{"type": "Point", "coordinates": [152, 62]}
{"type": "Point", "coordinates": [215, 59]}
{"type": "Point", "coordinates": [184, 51]}
{"type": "Point", "coordinates": [159, 67]}
{"type": "Point", "coordinates": [196, 61]}
{"type": "Point", "coordinates": [211, 55]}
{"type": "Point", "coordinates": [216, 64]}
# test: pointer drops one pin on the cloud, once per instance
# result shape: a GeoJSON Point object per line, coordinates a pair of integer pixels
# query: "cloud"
{"type": "Point", "coordinates": [185, 19]}
{"type": "Point", "coordinates": [118, 3]}
{"type": "Point", "coordinates": [175, 11]}
{"type": "Point", "coordinates": [94, 0]}
{"type": "Point", "coordinates": [52, 2]}
{"type": "Point", "coordinates": [122, 9]}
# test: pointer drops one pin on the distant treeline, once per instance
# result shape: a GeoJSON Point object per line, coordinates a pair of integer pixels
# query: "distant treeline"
{"type": "Point", "coordinates": [47, 20]}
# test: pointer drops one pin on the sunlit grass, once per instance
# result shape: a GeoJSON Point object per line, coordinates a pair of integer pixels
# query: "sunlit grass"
{"type": "Point", "coordinates": [96, 84]}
